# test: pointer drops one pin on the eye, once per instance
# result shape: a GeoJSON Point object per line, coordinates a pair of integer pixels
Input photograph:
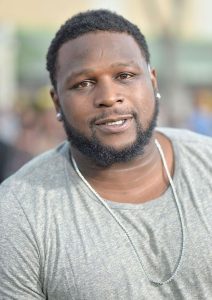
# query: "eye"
{"type": "Point", "coordinates": [125, 75]}
{"type": "Point", "coordinates": [83, 84]}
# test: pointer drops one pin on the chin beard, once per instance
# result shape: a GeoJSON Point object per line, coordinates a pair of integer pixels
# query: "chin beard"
{"type": "Point", "coordinates": [104, 155]}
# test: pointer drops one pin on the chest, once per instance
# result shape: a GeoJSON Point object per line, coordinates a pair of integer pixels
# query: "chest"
{"type": "Point", "coordinates": [91, 257]}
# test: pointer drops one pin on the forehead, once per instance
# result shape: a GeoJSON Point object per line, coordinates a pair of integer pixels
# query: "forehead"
{"type": "Point", "coordinates": [98, 48]}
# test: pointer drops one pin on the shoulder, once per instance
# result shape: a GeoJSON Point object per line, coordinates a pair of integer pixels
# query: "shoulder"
{"type": "Point", "coordinates": [193, 150]}
{"type": "Point", "coordinates": [43, 171]}
{"type": "Point", "coordinates": [186, 137]}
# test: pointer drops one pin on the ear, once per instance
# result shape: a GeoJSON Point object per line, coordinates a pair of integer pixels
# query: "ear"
{"type": "Point", "coordinates": [55, 100]}
{"type": "Point", "coordinates": [153, 77]}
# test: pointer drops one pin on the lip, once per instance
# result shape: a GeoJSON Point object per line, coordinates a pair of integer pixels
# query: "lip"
{"type": "Point", "coordinates": [113, 119]}
{"type": "Point", "coordinates": [103, 125]}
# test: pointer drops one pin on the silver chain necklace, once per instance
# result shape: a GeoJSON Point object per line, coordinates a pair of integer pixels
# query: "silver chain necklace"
{"type": "Point", "coordinates": [104, 203]}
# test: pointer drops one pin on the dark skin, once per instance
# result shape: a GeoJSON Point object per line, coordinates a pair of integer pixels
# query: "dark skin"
{"type": "Point", "coordinates": [101, 73]}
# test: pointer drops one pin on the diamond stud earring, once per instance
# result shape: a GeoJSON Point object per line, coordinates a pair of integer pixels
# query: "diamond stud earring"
{"type": "Point", "coordinates": [158, 95]}
{"type": "Point", "coordinates": [59, 116]}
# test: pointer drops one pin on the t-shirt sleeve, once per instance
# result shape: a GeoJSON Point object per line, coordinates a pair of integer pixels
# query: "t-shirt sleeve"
{"type": "Point", "coordinates": [20, 267]}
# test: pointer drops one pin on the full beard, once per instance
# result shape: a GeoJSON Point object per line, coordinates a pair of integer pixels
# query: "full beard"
{"type": "Point", "coordinates": [104, 155]}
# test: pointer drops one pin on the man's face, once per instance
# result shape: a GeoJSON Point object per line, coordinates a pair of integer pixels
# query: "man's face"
{"type": "Point", "coordinates": [106, 94]}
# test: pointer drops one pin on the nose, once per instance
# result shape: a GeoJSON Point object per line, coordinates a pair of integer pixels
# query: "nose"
{"type": "Point", "coordinates": [107, 94]}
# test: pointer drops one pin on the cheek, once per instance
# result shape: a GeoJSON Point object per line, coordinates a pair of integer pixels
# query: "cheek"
{"type": "Point", "coordinates": [145, 98]}
{"type": "Point", "coordinates": [145, 101]}
{"type": "Point", "coordinates": [76, 111]}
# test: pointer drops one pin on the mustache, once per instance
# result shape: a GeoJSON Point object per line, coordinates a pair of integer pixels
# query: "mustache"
{"type": "Point", "coordinates": [112, 112]}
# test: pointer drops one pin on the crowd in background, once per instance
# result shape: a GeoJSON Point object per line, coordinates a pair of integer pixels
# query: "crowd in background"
{"type": "Point", "coordinates": [26, 130]}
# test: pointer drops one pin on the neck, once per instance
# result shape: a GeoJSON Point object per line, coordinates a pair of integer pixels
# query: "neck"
{"type": "Point", "coordinates": [138, 180]}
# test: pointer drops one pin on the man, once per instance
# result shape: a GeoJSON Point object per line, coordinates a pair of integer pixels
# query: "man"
{"type": "Point", "coordinates": [122, 210]}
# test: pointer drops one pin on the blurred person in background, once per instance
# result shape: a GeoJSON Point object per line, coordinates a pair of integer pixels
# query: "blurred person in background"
{"type": "Point", "coordinates": [40, 130]}
{"type": "Point", "coordinates": [201, 117]}
{"type": "Point", "coordinates": [122, 210]}
{"type": "Point", "coordinates": [11, 159]}
{"type": "Point", "coordinates": [37, 132]}
{"type": "Point", "coordinates": [11, 156]}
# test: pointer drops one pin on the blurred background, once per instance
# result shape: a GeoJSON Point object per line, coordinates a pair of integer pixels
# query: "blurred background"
{"type": "Point", "coordinates": [179, 34]}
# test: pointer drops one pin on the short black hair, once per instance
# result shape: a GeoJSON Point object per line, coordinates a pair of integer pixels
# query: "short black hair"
{"type": "Point", "coordinates": [91, 21]}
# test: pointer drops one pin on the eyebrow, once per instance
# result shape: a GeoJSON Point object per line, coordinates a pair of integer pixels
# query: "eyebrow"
{"type": "Point", "coordinates": [89, 71]}
{"type": "Point", "coordinates": [83, 72]}
{"type": "Point", "coordinates": [128, 64]}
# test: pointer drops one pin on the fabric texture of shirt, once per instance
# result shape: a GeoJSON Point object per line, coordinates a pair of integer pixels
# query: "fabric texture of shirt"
{"type": "Point", "coordinates": [57, 241]}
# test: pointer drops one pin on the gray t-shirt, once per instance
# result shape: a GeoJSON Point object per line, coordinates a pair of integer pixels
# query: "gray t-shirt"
{"type": "Point", "coordinates": [57, 241]}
